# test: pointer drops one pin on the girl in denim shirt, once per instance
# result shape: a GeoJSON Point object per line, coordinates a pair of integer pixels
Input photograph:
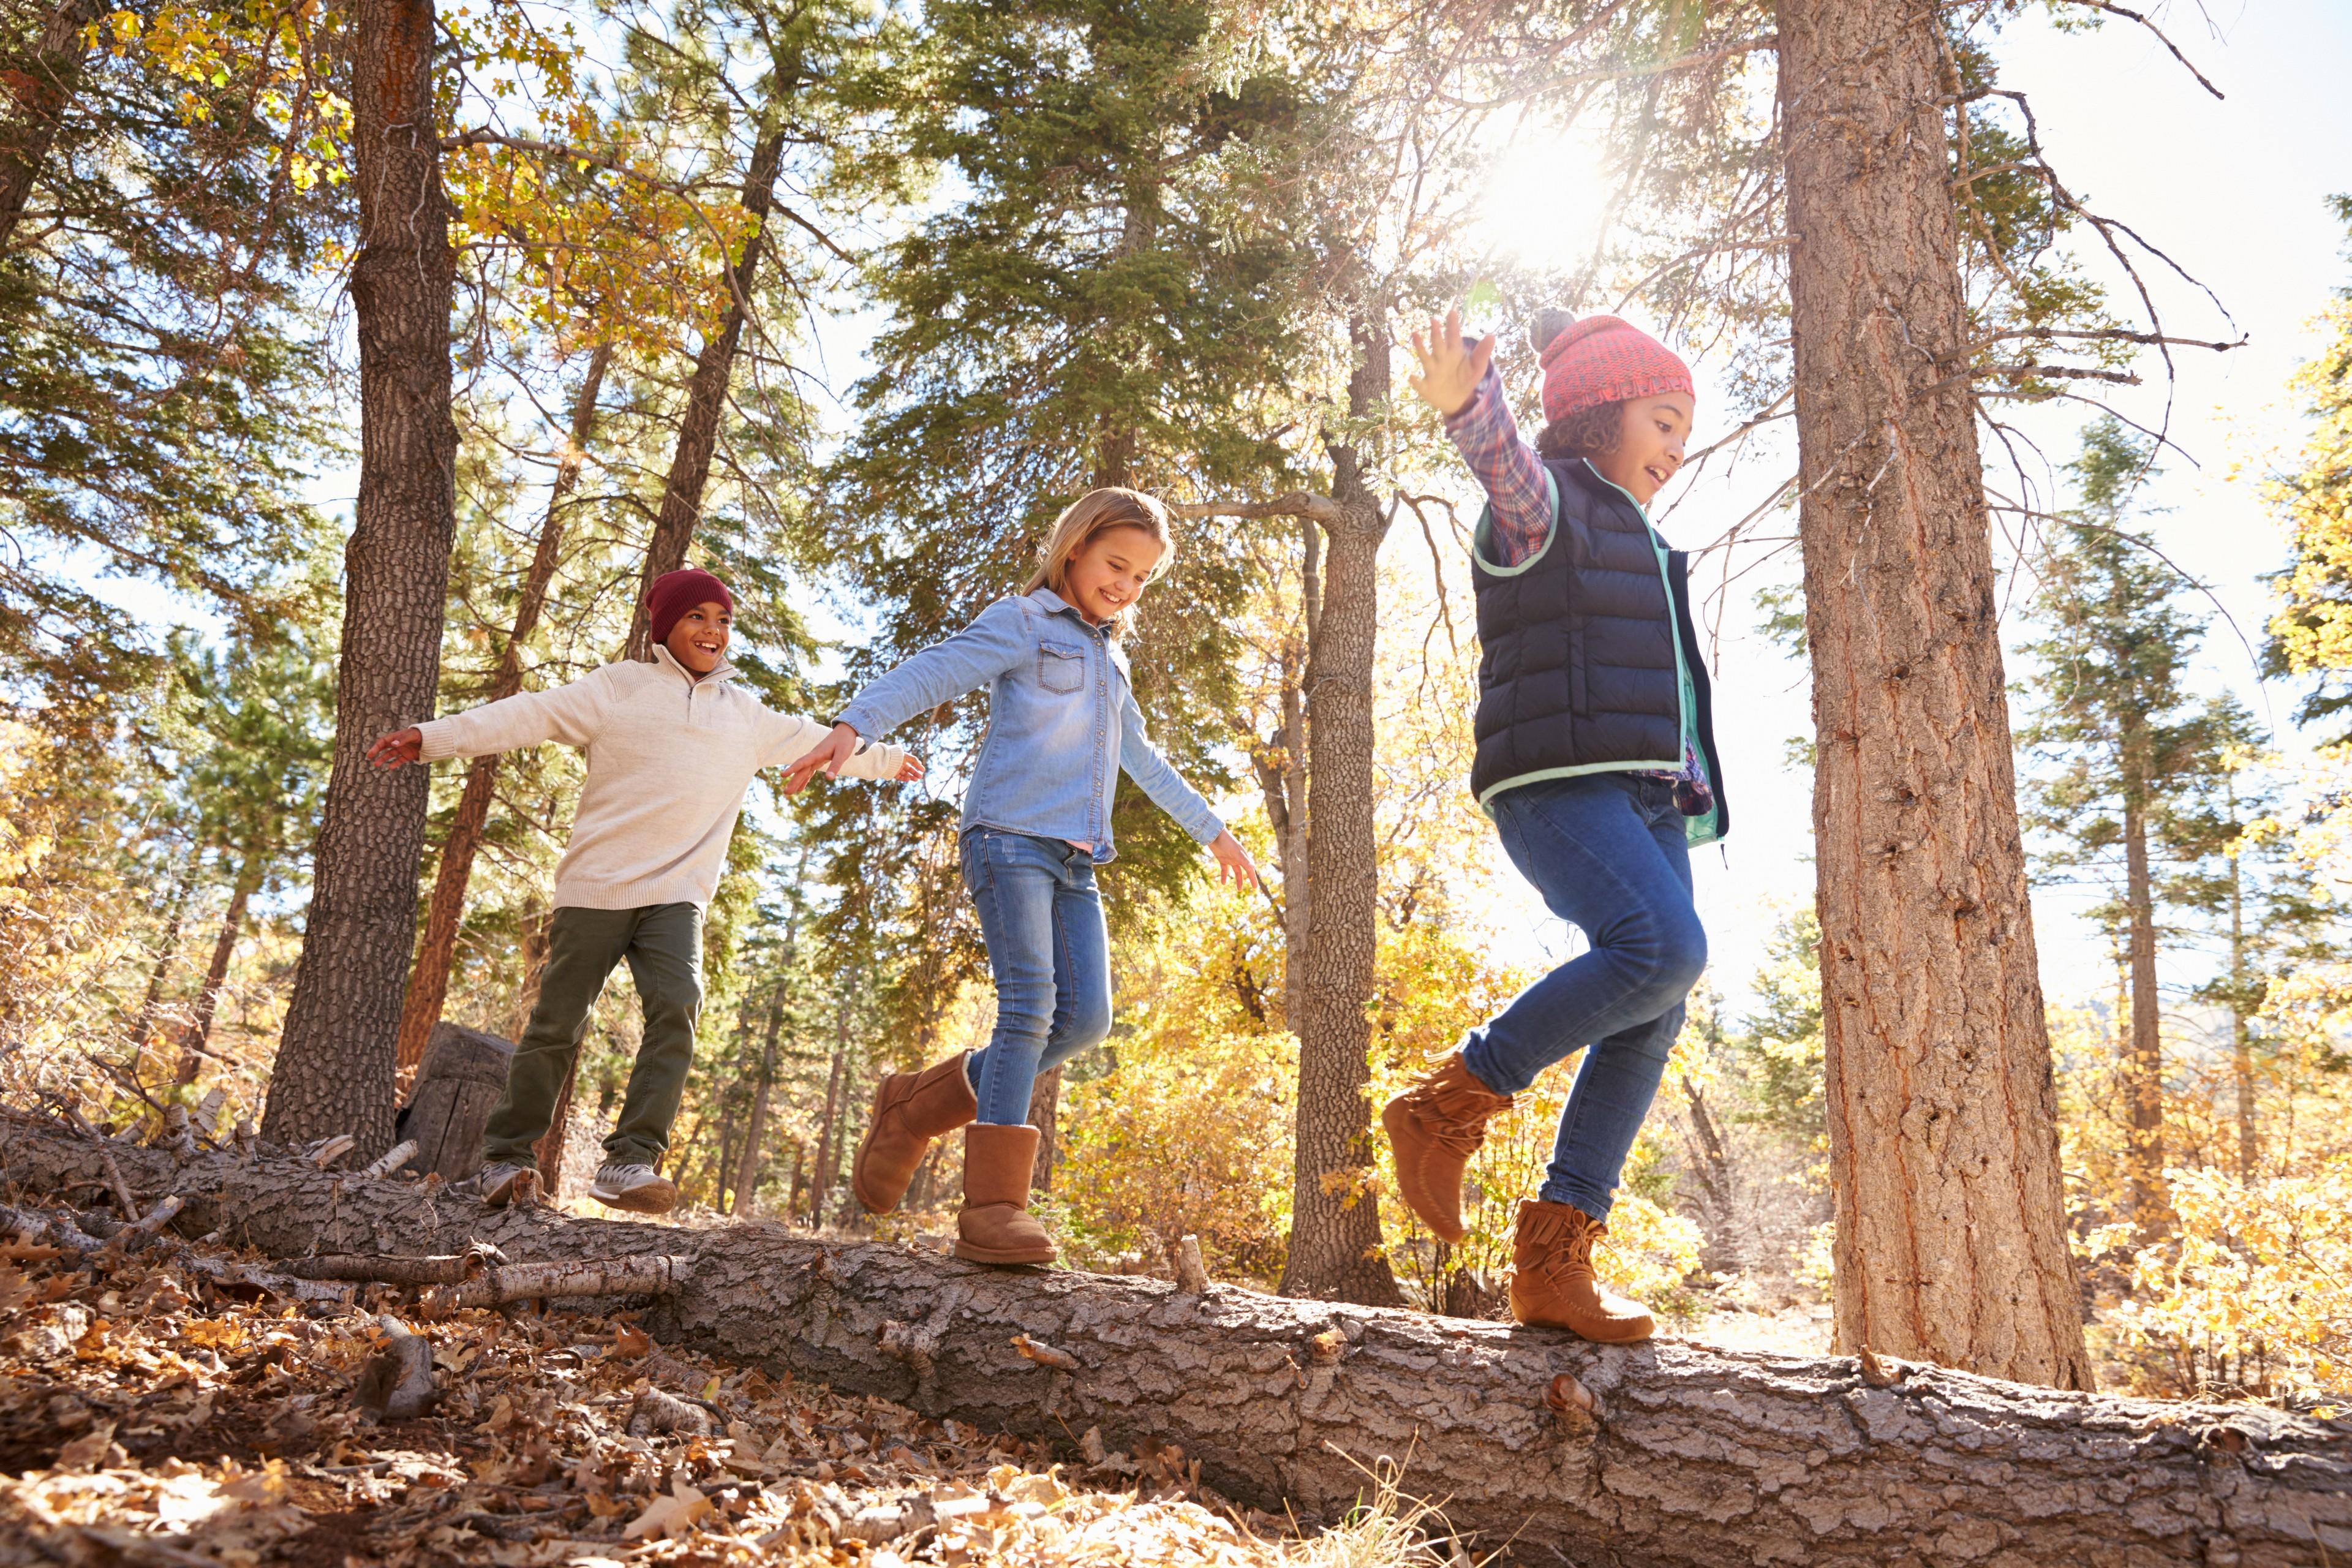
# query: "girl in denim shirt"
{"type": "Point", "coordinates": [1062, 723]}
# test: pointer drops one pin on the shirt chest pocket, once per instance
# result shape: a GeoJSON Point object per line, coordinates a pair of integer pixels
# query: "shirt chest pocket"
{"type": "Point", "coordinates": [1061, 669]}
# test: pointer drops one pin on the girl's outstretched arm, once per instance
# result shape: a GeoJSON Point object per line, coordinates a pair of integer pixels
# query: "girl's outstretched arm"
{"type": "Point", "coordinates": [1141, 761]}
{"type": "Point", "coordinates": [973, 657]}
{"type": "Point", "coordinates": [790, 738]}
{"type": "Point", "coordinates": [1459, 380]}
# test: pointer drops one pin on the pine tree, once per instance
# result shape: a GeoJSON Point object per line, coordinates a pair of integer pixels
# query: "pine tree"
{"type": "Point", "coordinates": [260, 716]}
{"type": "Point", "coordinates": [2132, 748]}
{"type": "Point", "coordinates": [158, 370]}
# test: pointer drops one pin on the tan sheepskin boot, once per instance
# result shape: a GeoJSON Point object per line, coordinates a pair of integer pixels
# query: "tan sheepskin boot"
{"type": "Point", "coordinates": [1435, 1127]}
{"type": "Point", "coordinates": [995, 1226]}
{"type": "Point", "coordinates": [910, 1109]}
{"type": "Point", "coordinates": [1552, 1281]}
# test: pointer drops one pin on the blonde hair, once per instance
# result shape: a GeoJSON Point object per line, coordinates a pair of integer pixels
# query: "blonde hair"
{"type": "Point", "coordinates": [1098, 512]}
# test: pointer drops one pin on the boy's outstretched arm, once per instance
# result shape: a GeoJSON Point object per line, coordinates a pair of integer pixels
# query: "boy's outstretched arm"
{"type": "Point", "coordinates": [801, 745]}
{"type": "Point", "coordinates": [398, 749]}
{"type": "Point", "coordinates": [570, 713]}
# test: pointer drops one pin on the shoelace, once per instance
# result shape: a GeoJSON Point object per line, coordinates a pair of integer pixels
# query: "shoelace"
{"type": "Point", "coordinates": [1460, 1124]}
{"type": "Point", "coordinates": [1560, 1262]}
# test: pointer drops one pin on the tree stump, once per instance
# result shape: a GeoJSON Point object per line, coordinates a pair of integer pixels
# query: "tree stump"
{"type": "Point", "coordinates": [462, 1076]}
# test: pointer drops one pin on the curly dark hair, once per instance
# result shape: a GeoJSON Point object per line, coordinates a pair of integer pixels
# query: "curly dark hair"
{"type": "Point", "coordinates": [1587, 433]}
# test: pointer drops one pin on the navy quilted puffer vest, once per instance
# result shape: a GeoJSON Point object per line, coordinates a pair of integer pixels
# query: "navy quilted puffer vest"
{"type": "Point", "coordinates": [1579, 673]}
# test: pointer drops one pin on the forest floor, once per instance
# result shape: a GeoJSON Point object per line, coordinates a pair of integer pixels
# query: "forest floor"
{"type": "Point", "coordinates": [152, 1416]}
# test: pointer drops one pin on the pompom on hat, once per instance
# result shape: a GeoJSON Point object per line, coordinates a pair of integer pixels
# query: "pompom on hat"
{"type": "Point", "coordinates": [675, 592]}
{"type": "Point", "coordinates": [1601, 359]}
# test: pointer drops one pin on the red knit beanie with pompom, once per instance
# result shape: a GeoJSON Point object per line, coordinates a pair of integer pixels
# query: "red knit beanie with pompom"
{"type": "Point", "coordinates": [675, 592]}
{"type": "Point", "coordinates": [1601, 359]}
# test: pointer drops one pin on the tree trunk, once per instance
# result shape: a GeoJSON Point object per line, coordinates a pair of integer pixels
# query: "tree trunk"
{"type": "Point", "coordinates": [723, 1165]}
{"type": "Point", "coordinates": [706, 399]}
{"type": "Point", "coordinates": [537, 920]}
{"type": "Point", "coordinates": [42, 85]}
{"type": "Point", "coordinates": [747, 1173]}
{"type": "Point", "coordinates": [821, 1176]}
{"type": "Point", "coordinates": [548, 1152]}
{"type": "Point", "coordinates": [1335, 1229]}
{"type": "Point", "coordinates": [151, 1006]}
{"type": "Point", "coordinates": [747, 1170]}
{"type": "Point", "coordinates": [1046, 1116]}
{"type": "Point", "coordinates": [200, 1028]}
{"type": "Point", "coordinates": [334, 1067]}
{"type": "Point", "coordinates": [1950, 1223]}
{"type": "Point", "coordinates": [1665, 1454]}
{"type": "Point", "coordinates": [2241, 1048]}
{"type": "Point", "coordinates": [1280, 764]}
{"type": "Point", "coordinates": [2144, 1068]}
{"type": "Point", "coordinates": [428, 979]}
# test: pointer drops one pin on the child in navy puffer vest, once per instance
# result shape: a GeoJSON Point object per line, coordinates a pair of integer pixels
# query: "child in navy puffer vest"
{"type": "Point", "coordinates": [1596, 760]}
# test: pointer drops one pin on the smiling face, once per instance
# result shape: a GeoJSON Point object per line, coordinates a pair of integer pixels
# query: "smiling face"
{"type": "Point", "coordinates": [698, 641]}
{"type": "Point", "coordinates": [1108, 572]}
{"type": "Point", "coordinates": [1649, 444]}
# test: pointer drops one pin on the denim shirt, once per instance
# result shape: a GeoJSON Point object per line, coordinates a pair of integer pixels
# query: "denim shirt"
{"type": "Point", "coordinates": [1062, 722]}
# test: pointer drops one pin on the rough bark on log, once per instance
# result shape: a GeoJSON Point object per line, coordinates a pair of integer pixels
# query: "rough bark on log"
{"type": "Point", "coordinates": [1650, 1455]}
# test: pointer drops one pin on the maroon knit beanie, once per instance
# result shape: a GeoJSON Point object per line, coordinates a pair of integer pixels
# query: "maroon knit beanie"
{"type": "Point", "coordinates": [1601, 359]}
{"type": "Point", "coordinates": [675, 592]}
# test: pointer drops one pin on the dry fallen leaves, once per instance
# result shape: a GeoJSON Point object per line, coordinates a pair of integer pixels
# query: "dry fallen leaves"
{"type": "Point", "coordinates": [150, 1415]}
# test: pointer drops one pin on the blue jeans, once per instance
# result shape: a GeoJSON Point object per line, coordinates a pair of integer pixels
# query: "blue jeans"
{"type": "Point", "coordinates": [1607, 852]}
{"type": "Point", "coordinates": [1042, 922]}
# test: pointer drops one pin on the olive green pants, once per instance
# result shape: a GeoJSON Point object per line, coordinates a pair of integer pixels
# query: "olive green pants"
{"type": "Point", "coordinates": [663, 944]}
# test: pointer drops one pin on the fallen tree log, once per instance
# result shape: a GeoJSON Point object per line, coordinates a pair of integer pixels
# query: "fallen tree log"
{"type": "Point", "coordinates": [1548, 1448]}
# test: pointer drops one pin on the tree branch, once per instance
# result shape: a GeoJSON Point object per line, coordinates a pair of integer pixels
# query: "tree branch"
{"type": "Point", "coordinates": [2123, 11]}
{"type": "Point", "coordinates": [1297, 503]}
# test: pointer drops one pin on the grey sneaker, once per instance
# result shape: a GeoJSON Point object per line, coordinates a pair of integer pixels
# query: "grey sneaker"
{"type": "Point", "coordinates": [637, 1188]}
{"type": "Point", "coordinates": [501, 1184]}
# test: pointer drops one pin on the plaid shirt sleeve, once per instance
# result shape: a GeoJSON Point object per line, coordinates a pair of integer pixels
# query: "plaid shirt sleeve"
{"type": "Point", "coordinates": [1513, 476]}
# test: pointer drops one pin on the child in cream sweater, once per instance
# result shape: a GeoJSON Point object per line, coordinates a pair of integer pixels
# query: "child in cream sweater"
{"type": "Point", "coordinates": [673, 746]}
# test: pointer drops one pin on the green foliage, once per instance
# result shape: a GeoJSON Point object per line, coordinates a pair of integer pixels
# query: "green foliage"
{"type": "Point", "coordinates": [159, 376]}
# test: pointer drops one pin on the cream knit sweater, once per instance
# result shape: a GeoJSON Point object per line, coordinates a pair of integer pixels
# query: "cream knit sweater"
{"type": "Point", "coordinates": [670, 759]}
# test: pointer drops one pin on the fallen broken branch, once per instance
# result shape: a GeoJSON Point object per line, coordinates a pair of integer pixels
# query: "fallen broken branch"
{"type": "Point", "coordinates": [391, 1159]}
{"type": "Point", "coordinates": [449, 1269]}
{"type": "Point", "coordinates": [570, 1276]}
{"type": "Point", "coordinates": [1548, 1448]}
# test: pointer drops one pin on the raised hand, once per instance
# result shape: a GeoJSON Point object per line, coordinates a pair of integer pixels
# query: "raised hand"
{"type": "Point", "coordinates": [1450, 374]}
{"type": "Point", "coordinates": [1234, 862]}
{"type": "Point", "coordinates": [831, 752]}
{"type": "Point", "coordinates": [397, 749]}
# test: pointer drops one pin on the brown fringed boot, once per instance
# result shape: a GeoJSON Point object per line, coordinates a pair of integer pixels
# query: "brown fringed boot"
{"type": "Point", "coordinates": [1552, 1281]}
{"type": "Point", "coordinates": [910, 1109]}
{"type": "Point", "coordinates": [995, 1226]}
{"type": "Point", "coordinates": [1435, 1127]}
